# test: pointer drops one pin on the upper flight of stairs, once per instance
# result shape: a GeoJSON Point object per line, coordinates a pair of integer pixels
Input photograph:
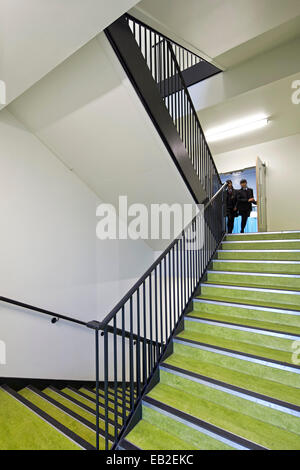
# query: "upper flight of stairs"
{"type": "Point", "coordinates": [230, 382]}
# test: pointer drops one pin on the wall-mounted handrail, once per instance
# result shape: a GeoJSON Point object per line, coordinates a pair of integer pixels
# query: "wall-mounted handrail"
{"type": "Point", "coordinates": [54, 315]}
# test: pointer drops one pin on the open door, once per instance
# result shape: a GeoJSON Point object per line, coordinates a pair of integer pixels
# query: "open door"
{"type": "Point", "coordinates": [261, 195]}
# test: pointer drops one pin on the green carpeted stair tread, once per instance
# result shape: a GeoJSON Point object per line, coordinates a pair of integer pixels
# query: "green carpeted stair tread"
{"type": "Point", "coordinates": [238, 335]}
{"type": "Point", "coordinates": [291, 235]}
{"type": "Point", "coordinates": [240, 299]}
{"type": "Point", "coordinates": [264, 296]}
{"type": "Point", "coordinates": [87, 401]}
{"type": "Point", "coordinates": [261, 245]}
{"type": "Point", "coordinates": [241, 424]}
{"type": "Point", "coordinates": [111, 398]}
{"type": "Point", "coordinates": [146, 436]}
{"type": "Point", "coordinates": [243, 280]}
{"type": "Point", "coordinates": [235, 403]}
{"type": "Point", "coordinates": [238, 346]}
{"type": "Point", "coordinates": [22, 429]}
{"type": "Point", "coordinates": [291, 329]}
{"type": "Point", "coordinates": [77, 409]}
{"type": "Point", "coordinates": [240, 379]}
{"type": "Point", "coordinates": [182, 431]}
{"type": "Point", "coordinates": [264, 268]}
{"type": "Point", "coordinates": [259, 255]}
{"type": "Point", "coordinates": [234, 364]}
{"type": "Point", "coordinates": [78, 428]}
{"type": "Point", "coordinates": [254, 313]}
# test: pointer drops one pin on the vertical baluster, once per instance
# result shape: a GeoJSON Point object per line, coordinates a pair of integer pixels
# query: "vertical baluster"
{"type": "Point", "coordinates": [161, 308]}
{"type": "Point", "coordinates": [151, 323]}
{"type": "Point", "coordinates": [156, 314]}
{"type": "Point", "coordinates": [174, 285]}
{"type": "Point", "coordinates": [170, 293]}
{"type": "Point", "coordinates": [106, 386]}
{"type": "Point", "coordinates": [145, 336]}
{"type": "Point", "coordinates": [177, 274]}
{"type": "Point", "coordinates": [115, 353]}
{"type": "Point", "coordinates": [131, 364]}
{"type": "Point", "coordinates": [166, 300]}
{"type": "Point", "coordinates": [138, 344]}
{"type": "Point", "coordinates": [123, 366]}
{"type": "Point", "coordinates": [97, 386]}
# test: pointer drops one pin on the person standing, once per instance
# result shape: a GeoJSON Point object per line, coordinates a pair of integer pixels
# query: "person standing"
{"type": "Point", "coordinates": [231, 207]}
{"type": "Point", "coordinates": [244, 202]}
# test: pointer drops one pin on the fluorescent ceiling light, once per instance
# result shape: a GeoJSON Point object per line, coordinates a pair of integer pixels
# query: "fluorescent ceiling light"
{"type": "Point", "coordinates": [233, 129]}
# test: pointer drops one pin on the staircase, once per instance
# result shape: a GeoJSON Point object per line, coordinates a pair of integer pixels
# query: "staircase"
{"type": "Point", "coordinates": [230, 382]}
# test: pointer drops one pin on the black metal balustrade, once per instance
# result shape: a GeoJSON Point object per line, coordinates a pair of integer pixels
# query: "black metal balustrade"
{"type": "Point", "coordinates": [150, 312]}
{"type": "Point", "coordinates": [166, 60]}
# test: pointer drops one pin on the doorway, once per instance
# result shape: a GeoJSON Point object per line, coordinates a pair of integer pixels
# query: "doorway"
{"type": "Point", "coordinates": [250, 175]}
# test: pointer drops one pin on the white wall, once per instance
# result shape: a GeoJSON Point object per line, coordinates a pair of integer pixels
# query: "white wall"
{"type": "Point", "coordinates": [50, 257]}
{"type": "Point", "coordinates": [87, 112]}
{"type": "Point", "coordinates": [282, 157]}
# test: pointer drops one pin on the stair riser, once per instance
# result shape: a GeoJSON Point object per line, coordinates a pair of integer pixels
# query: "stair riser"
{"type": "Point", "coordinates": [256, 281]}
{"type": "Point", "coordinates": [268, 268]}
{"type": "Point", "coordinates": [241, 296]}
{"type": "Point", "coordinates": [242, 313]}
{"type": "Point", "coordinates": [260, 256]}
{"type": "Point", "coordinates": [271, 245]}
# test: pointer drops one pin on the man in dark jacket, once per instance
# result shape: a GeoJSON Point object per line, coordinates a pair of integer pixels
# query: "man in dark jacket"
{"type": "Point", "coordinates": [231, 209]}
{"type": "Point", "coordinates": [244, 202]}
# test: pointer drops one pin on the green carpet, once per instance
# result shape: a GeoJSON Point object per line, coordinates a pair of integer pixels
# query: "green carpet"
{"type": "Point", "coordinates": [292, 320]}
{"type": "Point", "coordinates": [259, 255]}
{"type": "Point", "coordinates": [262, 245]}
{"type": "Point", "coordinates": [254, 297]}
{"type": "Point", "coordinates": [170, 434]}
{"type": "Point", "coordinates": [259, 371]}
{"type": "Point", "coordinates": [246, 322]}
{"type": "Point", "coordinates": [191, 398]}
{"type": "Point", "coordinates": [72, 424]}
{"type": "Point", "coordinates": [263, 236]}
{"type": "Point", "coordinates": [21, 429]}
{"type": "Point", "coordinates": [244, 280]}
{"type": "Point", "coordinates": [268, 268]}
{"type": "Point", "coordinates": [241, 379]}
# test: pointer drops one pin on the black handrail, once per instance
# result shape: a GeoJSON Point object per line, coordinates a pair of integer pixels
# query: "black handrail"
{"type": "Point", "coordinates": [42, 310]}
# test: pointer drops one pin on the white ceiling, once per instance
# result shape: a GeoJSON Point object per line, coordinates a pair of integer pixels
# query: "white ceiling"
{"type": "Point", "coordinates": [273, 100]}
{"type": "Point", "coordinates": [215, 27]}
{"type": "Point", "coordinates": [36, 35]}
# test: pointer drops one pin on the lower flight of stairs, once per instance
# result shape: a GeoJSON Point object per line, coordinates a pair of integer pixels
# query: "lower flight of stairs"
{"type": "Point", "coordinates": [231, 382]}
{"type": "Point", "coordinates": [53, 418]}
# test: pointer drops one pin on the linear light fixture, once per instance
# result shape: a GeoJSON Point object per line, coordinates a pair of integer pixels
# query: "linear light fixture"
{"type": "Point", "coordinates": [235, 128]}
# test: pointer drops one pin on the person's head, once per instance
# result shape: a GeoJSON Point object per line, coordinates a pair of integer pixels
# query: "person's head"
{"type": "Point", "coordinates": [243, 183]}
{"type": "Point", "coordinates": [229, 184]}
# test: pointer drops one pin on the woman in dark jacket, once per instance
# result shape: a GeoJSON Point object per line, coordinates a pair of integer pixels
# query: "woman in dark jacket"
{"type": "Point", "coordinates": [231, 208]}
